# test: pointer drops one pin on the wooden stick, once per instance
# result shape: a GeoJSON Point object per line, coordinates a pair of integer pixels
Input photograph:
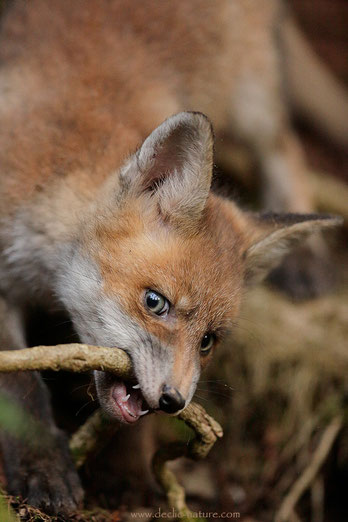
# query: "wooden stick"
{"type": "Point", "coordinates": [69, 357]}
{"type": "Point", "coordinates": [80, 358]}
{"type": "Point", "coordinates": [88, 437]}
{"type": "Point", "coordinates": [207, 431]}
{"type": "Point", "coordinates": [304, 481]}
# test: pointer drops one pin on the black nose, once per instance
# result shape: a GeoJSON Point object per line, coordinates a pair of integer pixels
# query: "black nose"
{"type": "Point", "coordinates": [171, 400]}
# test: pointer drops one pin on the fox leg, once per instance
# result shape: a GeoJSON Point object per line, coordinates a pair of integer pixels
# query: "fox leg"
{"type": "Point", "coordinates": [283, 169]}
{"type": "Point", "coordinates": [259, 119]}
{"type": "Point", "coordinates": [36, 457]}
{"type": "Point", "coordinates": [305, 273]}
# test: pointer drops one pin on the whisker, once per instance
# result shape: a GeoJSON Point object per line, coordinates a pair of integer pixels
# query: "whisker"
{"type": "Point", "coordinates": [217, 383]}
{"type": "Point", "coordinates": [246, 319]}
{"type": "Point", "coordinates": [200, 397]}
{"type": "Point", "coordinates": [80, 387]}
{"type": "Point", "coordinates": [84, 406]}
{"type": "Point", "coordinates": [215, 393]}
{"type": "Point", "coordinates": [214, 380]}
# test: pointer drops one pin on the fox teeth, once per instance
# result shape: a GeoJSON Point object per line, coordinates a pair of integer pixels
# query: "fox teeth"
{"type": "Point", "coordinates": [128, 411]}
{"type": "Point", "coordinates": [125, 399]}
{"type": "Point", "coordinates": [144, 412]}
{"type": "Point", "coordinates": [136, 387]}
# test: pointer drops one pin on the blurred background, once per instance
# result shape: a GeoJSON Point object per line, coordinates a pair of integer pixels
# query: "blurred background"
{"type": "Point", "coordinates": [325, 23]}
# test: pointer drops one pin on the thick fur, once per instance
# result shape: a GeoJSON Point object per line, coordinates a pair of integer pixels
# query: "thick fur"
{"type": "Point", "coordinates": [105, 194]}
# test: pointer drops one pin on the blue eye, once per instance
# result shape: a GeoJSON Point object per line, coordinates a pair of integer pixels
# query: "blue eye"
{"type": "Point", "coordinates": [156, 303]}
{"type": "Point", "coordinates": [207, 343]}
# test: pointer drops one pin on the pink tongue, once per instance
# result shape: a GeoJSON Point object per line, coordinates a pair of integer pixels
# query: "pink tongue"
{"type": "Point", "coordinates": [134, 402]}
{"type": "Point", "coordinates": [132, 407]}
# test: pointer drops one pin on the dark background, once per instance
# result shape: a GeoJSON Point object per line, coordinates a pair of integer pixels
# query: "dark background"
{"type": "Point", "coordinates": [325, 23]}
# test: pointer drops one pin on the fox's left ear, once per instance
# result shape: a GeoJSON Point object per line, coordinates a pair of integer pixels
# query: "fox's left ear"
{"type": "Point", "coordinates": [174, 165]}
{"type": "Point", "coordinates": [271, 236]}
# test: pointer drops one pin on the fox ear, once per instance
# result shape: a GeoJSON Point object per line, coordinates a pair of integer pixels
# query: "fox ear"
{"type": "Point", "coordinates": [274, 235]}
{"type": "Point", "coordinates": [175, 165]}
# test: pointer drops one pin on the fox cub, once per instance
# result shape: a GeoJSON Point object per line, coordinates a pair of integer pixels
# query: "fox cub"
{"type": "Point", "coordinates": [105, 200]}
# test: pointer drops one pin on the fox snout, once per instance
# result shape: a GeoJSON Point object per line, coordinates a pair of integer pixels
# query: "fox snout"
{"type": "Point", "coordinates": [129, 400]}
{"type": "Point", "coordinates": [171, 400]}
{"type": "Point", "coordinates": [159, 383]}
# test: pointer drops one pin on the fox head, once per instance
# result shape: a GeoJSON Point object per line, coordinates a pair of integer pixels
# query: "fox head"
{"type": "Point", "coordinates": [159, 266]}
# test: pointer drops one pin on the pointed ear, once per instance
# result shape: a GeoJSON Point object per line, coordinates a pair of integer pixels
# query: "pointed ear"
{"type": "Point", "coordinates": [175, 165]}
{"type": "Point", "coordinates": [274, 235]}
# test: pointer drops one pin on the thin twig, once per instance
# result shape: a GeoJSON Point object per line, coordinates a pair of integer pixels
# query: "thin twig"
{"type": "Point", "coordinates": [88, 437]}
{"type": "Point", "coordinates": [304, 481]}
{"type": "Point", "coordinates": [207, 431]}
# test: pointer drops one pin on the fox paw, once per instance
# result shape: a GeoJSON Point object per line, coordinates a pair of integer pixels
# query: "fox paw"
{"type": "Point", "coordinates": [53, 494]}
{"type": "Point", "coordinates": [48, 481]}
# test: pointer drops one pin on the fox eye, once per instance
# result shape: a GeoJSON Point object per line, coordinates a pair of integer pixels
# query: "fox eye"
{"type": "Point", "coordinates": [156, 303]}
{"type": "Point", "coordinates": [207, 343]}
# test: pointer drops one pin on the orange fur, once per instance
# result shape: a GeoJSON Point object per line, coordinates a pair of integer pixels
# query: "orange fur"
{"type": "Point", "coordinates": [92, 79]}
{"type": "Point", "coordinates": [83, 84]}
{"type": "Point", "coordinates": [105, 177]}
{"type": "Point", "coordinates": [189, 270]}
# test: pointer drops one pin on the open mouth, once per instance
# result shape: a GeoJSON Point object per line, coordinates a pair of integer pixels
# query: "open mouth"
{"type": "Point", "coordinates": [130, 400]}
